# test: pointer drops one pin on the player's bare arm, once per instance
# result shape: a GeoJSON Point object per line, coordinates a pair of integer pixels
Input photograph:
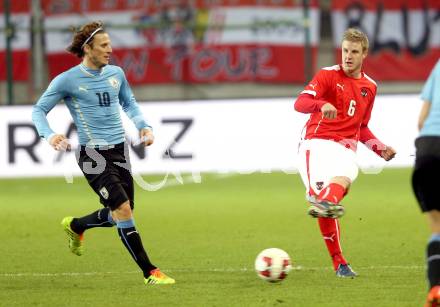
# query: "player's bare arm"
{"type": "Point", "coordinates": [329, 111]}
{"type": "Point", "coordinates": [59, 142]}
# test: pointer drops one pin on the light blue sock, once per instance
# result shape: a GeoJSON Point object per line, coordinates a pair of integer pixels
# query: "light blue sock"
{"type": "Point", "coordinates": [125, 224]}
{"type": "Point", "coordinates": [110, 218]}
{"type": "Point", "coordinates": [434, 237]}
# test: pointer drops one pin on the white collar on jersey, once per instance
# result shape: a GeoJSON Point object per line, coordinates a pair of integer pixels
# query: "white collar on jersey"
{"type": "Point", "coordinates": [85, 69]}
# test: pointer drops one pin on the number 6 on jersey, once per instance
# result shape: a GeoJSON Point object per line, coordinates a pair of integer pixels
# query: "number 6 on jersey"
{"type": "Point", "coordinates": [351, 108]}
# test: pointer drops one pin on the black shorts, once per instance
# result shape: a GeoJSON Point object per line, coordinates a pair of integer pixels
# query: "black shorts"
{"type": "Point", "coordinates": [426, 171]}
{"type": "Point", "coordinates": [108, 172]}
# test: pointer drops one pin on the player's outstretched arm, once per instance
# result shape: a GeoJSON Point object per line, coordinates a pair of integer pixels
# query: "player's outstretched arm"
{"type": "Point", "coordinates": [374, 144]}
{"type": "Point", "coordinates": [53, 94]}
{"type": "Point", "coordinates": [306, 103]}
{"type": "Point", "coordinates": [130, 106]}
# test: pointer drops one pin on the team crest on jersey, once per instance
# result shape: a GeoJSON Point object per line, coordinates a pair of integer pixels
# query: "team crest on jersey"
{"type": "Point", "coordinates": [364, 92]}
{"type": "Point", "coordinates": [319, 185]}
{"type": "Point", "coordinates": [113, 82]}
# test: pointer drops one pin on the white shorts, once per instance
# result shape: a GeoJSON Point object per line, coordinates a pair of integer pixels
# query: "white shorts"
{"type": "Point", "coordinates": [320, 160]}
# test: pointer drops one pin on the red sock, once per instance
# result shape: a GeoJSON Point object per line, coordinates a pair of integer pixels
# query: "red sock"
{"type": "Point", "coordinates": [333, 193]}
{"type": "Point", "coordinates": [330, 232]}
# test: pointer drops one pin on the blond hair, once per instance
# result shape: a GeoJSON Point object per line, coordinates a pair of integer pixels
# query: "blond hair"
{"type": "Point", "coordinates": [357, 36]}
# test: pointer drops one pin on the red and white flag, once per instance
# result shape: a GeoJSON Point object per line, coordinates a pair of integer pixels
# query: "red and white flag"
{"type": "Point", "coordinates": [404, 35]}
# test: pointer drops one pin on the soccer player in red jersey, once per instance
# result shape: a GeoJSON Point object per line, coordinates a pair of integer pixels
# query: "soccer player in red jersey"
{"type": "Point", "coordinates": [339, 99]}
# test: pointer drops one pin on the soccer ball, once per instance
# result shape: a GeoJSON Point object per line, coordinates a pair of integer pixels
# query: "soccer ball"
{"type": "Point", "coordinates": [273, 264]}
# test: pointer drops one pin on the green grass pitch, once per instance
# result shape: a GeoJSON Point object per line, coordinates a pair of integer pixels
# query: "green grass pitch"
{"type": "Point", "coordinates": [207, 236]}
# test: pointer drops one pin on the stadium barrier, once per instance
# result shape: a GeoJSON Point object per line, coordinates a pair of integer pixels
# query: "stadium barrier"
{"type": "Point", "coordinates": [219, 136]}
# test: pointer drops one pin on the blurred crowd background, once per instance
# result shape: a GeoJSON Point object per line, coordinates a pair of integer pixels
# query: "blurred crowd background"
{"type": "Point", "coordinates": [218, 49]}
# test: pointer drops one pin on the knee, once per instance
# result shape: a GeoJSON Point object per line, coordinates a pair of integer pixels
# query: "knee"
{"type": "Point", "coordinates": [123, 212]}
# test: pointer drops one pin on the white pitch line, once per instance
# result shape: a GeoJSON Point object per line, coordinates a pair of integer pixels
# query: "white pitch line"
{"type": "Point", "coordinates": [214, 270]}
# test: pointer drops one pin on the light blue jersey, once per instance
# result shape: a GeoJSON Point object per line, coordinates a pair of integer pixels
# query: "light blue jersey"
{"type": "Point", "coordinates": [431, 93]}
{"type": "Point", "coordinates": [93, 98]}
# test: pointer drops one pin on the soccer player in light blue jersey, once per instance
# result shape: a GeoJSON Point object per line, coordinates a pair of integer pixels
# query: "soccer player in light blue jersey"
{"type": "Point", "coordinates": [94, 91]}
{"type": "Point", "coordinates": [425, 177]}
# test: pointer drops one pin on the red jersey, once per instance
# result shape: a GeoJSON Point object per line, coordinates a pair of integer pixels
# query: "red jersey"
{"type": "Point", "coordinates": [353, 99]}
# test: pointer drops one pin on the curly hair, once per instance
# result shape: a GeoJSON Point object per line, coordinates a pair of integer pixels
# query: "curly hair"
{"type": "Point", "coordinates": [84, 36]}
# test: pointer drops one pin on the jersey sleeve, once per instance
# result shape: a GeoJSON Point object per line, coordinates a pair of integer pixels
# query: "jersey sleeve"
{"type": "Point", "coordinates": [305, 103]}
{"type": "Point", "coordinates": [319, 84]}
{"type": "Point", "coordinates": [429, 87]}
{"type": "Point", "coordinates": [129, 104]}
{"type": "Point", "coordinates": [55, 92]}
{"type": "Point", "coordinates": [367, 114]}
{"type": "Point", "coordinates": [366, 136]}
{"type": "Point", "coordinates": [309, 100]}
